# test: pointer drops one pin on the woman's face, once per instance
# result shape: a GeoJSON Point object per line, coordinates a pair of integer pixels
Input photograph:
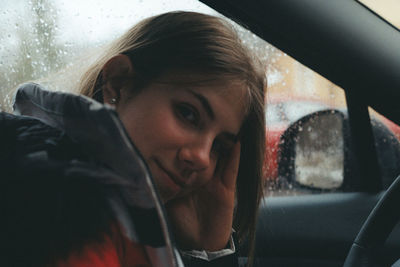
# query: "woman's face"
{"type": "Point", "coordinates": [183, 132]}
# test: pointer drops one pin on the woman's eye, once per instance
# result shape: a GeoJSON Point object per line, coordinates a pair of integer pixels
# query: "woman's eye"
{"type": "Point", "coordinates": [188, 114]}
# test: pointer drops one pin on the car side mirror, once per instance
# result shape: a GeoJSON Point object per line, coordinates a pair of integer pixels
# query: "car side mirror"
{"type": "Point", "coordinates": [312, 151]}
{"type": "Point", "coordinates": [317, 152]}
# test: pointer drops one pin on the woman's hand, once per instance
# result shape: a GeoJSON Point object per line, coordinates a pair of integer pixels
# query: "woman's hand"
{"type": "Point", "coordinates": [203, 219]}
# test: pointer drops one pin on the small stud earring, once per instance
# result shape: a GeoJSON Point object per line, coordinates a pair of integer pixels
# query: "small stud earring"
{"type": "Point", "coordinates": [113, 101]}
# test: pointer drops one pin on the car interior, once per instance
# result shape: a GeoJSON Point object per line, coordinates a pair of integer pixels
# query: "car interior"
{"type": "Point", "coordinates": [335, 199]}
{"type": "Point", "coordinates": [355, 48]}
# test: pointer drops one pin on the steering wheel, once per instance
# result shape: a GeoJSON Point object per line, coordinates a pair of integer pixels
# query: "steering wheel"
{"type": "Point", "coordinates": [376, 229]}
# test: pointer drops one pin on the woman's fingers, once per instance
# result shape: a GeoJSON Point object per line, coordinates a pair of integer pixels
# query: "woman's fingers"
{"type": "Point", "coordinates": [230, 170]}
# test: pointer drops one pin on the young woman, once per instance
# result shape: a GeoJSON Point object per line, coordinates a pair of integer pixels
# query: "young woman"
{"type": "Point", "coordinates": [171, 160]}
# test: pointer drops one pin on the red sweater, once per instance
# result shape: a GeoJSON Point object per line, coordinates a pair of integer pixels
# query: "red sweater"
{"type": "Point", "coordinates": [113, 252]}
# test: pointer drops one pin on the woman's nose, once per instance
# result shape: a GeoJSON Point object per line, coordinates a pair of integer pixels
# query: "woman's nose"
{"type": "Point", "coordinates": [196, 156]}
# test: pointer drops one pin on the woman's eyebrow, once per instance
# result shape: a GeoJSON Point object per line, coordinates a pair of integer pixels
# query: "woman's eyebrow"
{"type": "Point", "coordinates": [205, 103]}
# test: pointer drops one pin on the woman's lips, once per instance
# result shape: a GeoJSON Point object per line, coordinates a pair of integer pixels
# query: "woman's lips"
{"type": "Point", "coordinates": [170, 175]}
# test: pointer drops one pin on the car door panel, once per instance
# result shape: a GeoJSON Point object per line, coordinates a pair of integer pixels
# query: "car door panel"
{"type": "Point", "coordinates": [314, 230]}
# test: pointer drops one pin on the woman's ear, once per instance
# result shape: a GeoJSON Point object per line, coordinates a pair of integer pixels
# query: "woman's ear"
{"type": "Point", "coordinates": [115, 74]}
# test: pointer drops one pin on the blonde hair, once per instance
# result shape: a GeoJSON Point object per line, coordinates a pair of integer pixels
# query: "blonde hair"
{"type": "Point", "coordinates": [189, 41]}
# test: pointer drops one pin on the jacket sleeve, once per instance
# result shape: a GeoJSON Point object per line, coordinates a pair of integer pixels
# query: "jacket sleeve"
{"type": "Point", "coordinates": [225, 261]}
{"type": "Point", "coordinates": [226, 257]}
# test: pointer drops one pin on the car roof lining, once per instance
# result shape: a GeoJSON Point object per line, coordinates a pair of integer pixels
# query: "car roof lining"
{"type": "Point", "coordinates": [307, 30]}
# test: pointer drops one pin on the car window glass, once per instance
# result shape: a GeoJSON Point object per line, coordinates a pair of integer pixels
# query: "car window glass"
{"type": "Point", "coordinates": [387, 144]}
{"type": "Point", "coordinates": [274, 113]}
{"type": "Point", "coordinates": [316, 164]}
{"type": "Point", "coordinates": [42, 39]}
{"type": "Point", "coordinates": [295, 110]}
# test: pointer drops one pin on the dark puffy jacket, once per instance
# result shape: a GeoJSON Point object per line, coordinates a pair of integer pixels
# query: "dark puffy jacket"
{"type": "Point", "coordinates": [71, 178]}
{"type": "Point", "coordinates": [76, 191]}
